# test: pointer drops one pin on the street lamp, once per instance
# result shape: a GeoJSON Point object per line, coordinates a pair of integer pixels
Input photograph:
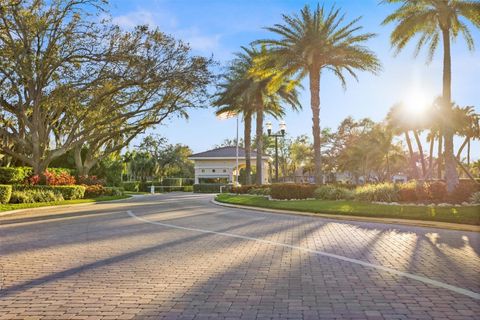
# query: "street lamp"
{"type": "Point", "coordinates": [279, 134]}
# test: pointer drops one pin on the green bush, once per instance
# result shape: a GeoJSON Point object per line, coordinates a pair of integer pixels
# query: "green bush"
{"type": "Point", "coordinates": [133, 186]}
{"type": "Point", "coordinates": [188, 189]}
{"type": "Point", "coordinates": [245, 189]}
{"type": "Point", "coordinates": [5, 193]}
{"type": "Point", "coordinates": [332, 192]}
{"type": "Point", "coordinates": [463, 191]}
{"type": "Point", "coordinates": [287, 191]}
{"type": "Point", "coordinates": [13, 175]}
{"type": "Point", "coordinates": [172, 182]}
{"type": "Point", "coordinates": [114, 191]}
{"type": "Point", "coordinates": [22, 197]}
{"type": "Point", "coordinates": [208, 188]}
{"type": "Point", "coordinates": [384, 192]}
{"type": "Point", "coordinates": [262, 191]}
{"type": "Point", "coordinates": [67, 192]}
{"type": "Point", "coordinates": [36, 195]}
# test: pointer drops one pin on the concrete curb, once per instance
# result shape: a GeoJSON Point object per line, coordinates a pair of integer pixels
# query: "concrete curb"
{"type": "Point", "coordinates": [7, 213]}
{"type": "Point", "coordinates": [406, 222]}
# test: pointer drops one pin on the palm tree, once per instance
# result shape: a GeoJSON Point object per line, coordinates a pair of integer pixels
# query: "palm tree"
{"type": "Point", "coordinates": [434, 20]}
{"type": "Point", "coordinates": [311, 42]}
{"type": "Point", "coordinates": [244, 90]}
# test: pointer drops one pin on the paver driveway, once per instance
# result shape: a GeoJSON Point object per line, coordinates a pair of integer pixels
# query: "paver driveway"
{"type": "Point", "coordinates": [179, 256]}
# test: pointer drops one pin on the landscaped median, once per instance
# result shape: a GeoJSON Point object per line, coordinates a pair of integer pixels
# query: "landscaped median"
{"type": "Point", "coordinates": [452, 214]}
{"type": "Point", "coordinates": [17, 206]}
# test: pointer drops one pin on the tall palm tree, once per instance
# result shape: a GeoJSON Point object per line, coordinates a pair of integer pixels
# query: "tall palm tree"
{"type": "Point", "coordinates": [314, 41]}
{"type": "Point", "coordinates": [434, 20]}
{"type": "Point", "coordinates": [244, 90]}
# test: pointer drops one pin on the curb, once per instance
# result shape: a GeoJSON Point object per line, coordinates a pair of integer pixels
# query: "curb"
{"type": "Point", "coordinates": [405, 222]}
{"type": "Point", "coordinates": [6, 213]}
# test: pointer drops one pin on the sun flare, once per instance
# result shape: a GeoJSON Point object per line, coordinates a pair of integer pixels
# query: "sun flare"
{"type": "Point", "coordinates": [417, 101]}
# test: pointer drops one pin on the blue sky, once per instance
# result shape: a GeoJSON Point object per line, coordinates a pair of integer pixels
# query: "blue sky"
{"type": "Point", "coordinates": [220, 27]}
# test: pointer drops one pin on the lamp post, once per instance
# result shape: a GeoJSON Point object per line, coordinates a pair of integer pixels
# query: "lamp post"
{"type": "Point", "coordinates": [279, 134]}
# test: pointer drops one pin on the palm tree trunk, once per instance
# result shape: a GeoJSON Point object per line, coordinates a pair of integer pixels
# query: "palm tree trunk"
{"type": "Point", "coordinates": [440, 155]}
{"type": "Point", "coordinates": [460, 150]}
{"type": "Point", "coordinates": [248, 141]}
{"type": "Point", "coordinates": [451, 175]}
{"type": "Point", "coordinates": [413, 166]}
{"type": "Point", "coordinates": [420, 151]}
{"type": "Point", "coordinates": [314, 74]}
{"type": "Point", "coordinates": [259, 143]}
{"type": "Point", "coordinates": [430, 158]}
{"type": "Point", "coordinates": [468, 153]}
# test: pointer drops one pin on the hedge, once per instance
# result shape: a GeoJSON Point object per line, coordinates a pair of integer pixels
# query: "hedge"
{"type": "Point", "coordinates": [13, 175]}
{"type": "Point", "coordinates": [67, 192]}
{"type": "Point", "coordinates": [288, 191]}
{"type": "Point", "coordinates": [133, 186]}
{"type": "Point", "coordinates": [5, 193]}
{"type": "Point", "coordinates": [208, 187]}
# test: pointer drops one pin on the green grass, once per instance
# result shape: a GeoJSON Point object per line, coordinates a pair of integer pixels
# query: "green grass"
{"type": "Point", "coordinates": [15, 206]}
{"type": "Point", "coordinates": [466, 215]}
{"type": "Point", "coordinates": [136, 192]}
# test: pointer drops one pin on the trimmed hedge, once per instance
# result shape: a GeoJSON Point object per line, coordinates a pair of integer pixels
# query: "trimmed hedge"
{"type": "Point", "coordinates": [67, 192]}
{"type": "Point", "coordinates": [208, 188]}
{"type": "Point", "coordinates": [188, 189]}
{"type": "Point", "coordinates": [33, 196]}
{"type": "Point", "coordinates": [13, 175]}
{"type": "Point", "coordinates": [5, 193]}
{"type": "Point", "coordinates": [288, 191]}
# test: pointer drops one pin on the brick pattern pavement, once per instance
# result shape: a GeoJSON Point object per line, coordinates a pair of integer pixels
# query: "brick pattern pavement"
{"type": "Point", "coordinates": [99, 263]}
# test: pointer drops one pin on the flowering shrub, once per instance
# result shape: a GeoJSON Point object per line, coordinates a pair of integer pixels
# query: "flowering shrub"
{"type": "Point", "coordinates": [58, 178]}
{"type": "Point", "coordinates": [93, 191]}
{"type": "Point", "coordinates": [90, 180]}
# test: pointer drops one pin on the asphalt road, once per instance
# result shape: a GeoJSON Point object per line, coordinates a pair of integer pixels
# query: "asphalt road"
{"type": "Point", "coordinates": [177, 256]}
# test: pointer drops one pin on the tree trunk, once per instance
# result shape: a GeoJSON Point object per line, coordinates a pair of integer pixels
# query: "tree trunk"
{"type": "Point", "coordinates": [468, 153]}
{"type": "Point", "coordinates": [420, 151]}
{"type": "Point", "coordinates": [314, 74]}
{"type": "Point", "coordinates": [413, 165]}
{"type": "Point", "coordinates": [440, 155]}
{"type": "Point", "coordinates": [248, 141]}
{"type": "Point", "coordinates": [259, 137]}
{"type": "Point", "coordinates": [430, 158]}
{"type": "Point", "coordinates": [460, 150]}
{"type": "Point", "coordinates": [451, 175]}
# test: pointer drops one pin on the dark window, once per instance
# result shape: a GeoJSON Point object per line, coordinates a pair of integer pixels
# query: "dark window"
{"type": "Point", "coordinates": [213, 170]}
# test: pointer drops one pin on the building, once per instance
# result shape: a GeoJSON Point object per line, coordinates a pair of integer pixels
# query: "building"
{"type": "Point", "coordinates": [219, 165]}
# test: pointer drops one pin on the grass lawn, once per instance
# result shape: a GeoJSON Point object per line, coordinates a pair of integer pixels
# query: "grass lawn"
{"type": "Point", "coordinates": [14, 206]}
{"type": "Point", "coordinates": [465, 215]}
{"type": "Point", "coordinates": [136, 192]}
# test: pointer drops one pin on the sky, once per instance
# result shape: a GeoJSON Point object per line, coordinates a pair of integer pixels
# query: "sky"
{"type": "Point", "coordinates": [219, 27]}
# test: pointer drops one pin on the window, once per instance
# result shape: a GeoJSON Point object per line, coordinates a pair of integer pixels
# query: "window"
{"type": "Point", "coordinates": [203, 170]}
{"type": "Point", "coordinates": [213, 170]}
{"type": "Point", "coordinates": [224, 170]}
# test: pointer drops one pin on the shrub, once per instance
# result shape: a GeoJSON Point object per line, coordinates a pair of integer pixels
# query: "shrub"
{"type": "Point", "coordinates": [188, 189]}
{"type": "Point", "coordinates": [133, 186]}
{"type": "Point", "coordinates": [463, 192]}
{"type": "Point", "coordinates": [22, 197]}
{"type": "Point", "coordinates": [5, 193]}
{"type": "Point", "coordinates": [13, 175]}
{"type": "Point", "coordinates": [245, 189]}
{"type": "Point", "coordinates": [208, 187]}
{"type": "Point", "coordinates": [262, 191]}
{"type": "Point", "coordinates": [173, 182]}
{"type": "Point", "coordinates": [475, 198]}
{"type": "Point", "coordinates": [114, 191]}
{"type": "Point", "coordinates": [90, 180]}
{"type": "Point", "coordinates": [36, 195]}
{"type": "Point", "coordinates": [292, 191]}
{"type": "Point", "coordinates": [94, 191]}
{"type": "Point", "coordinates": [437, 191]}
{"type": "Point", "coordinates": [384, 192]}
{"type": "Point", "coordinates": [58, 178]}
{"type": "Point", "coordinates": [332, 192]}
{"type": "Point", "coordinates": [67, 192]}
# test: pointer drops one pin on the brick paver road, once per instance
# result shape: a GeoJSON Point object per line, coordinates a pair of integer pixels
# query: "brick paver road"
{"type": "Point", "coordinates": [178, 256]}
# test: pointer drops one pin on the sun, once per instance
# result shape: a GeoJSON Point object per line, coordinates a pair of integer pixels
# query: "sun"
{"type": "Point", "coordinates": [417, 101]}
